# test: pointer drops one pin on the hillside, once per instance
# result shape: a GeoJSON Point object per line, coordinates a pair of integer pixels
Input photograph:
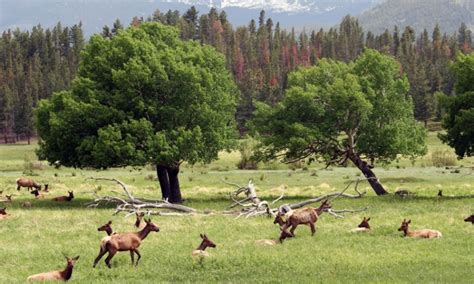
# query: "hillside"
{"type": "Point", "coordinates": [419, 14]}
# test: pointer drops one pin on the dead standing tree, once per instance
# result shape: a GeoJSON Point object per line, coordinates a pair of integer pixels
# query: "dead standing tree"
{"type": "Point", "coordinates": [253, 206]}
{"type": "Point", "coordinates": [130, 204]}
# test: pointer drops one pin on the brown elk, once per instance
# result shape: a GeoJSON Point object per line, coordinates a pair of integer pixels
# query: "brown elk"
{"type": "Point", "coordinates": [46, 189]}
{"type": "Point", "coordinates": [363, 226]}
{"type": "Point", "coordinates": [64, 198]}
{"type": "Point", "coordinates": [125, 242]}
{"type": "Point", "coordinates": [424, 233]}
{"type": "Point", "coordinates": [63, 275]}
{"type": "Point", "coordinates": [306, 216]}
{"type": "Point", "coordinates": [28, 183]}
{"type": "Point", "coordinates": [470, 219]}
{"type": "Point", "coordinates": [283, 235]}
{"type": "Point", "coordinates": [37, 194]}
{"type": "Point", "coordinates": [138, 221]}
{"type": "Point", "coordinates": [205, 243]}
{"type": "Point", "coordinates": [3, 213]}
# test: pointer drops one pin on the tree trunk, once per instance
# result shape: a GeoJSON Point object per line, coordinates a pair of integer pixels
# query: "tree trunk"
{"type": "Point", "coordinates": [175, 191]}
{"type": "Point", "coordinates": [169, 183]}
{"type": "Point", "coordinates": [369, 174]}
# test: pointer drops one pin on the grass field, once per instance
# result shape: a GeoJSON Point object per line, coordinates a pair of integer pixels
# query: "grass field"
{"type": "Point", "coordinates": [33, 240]}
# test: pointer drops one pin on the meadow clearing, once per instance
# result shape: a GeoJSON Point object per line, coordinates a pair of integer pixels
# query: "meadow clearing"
{"type": "Point", "coordinates": [33, 240]}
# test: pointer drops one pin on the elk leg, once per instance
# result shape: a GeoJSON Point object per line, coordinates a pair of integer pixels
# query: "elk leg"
{"type": "Point", "coordinates": [139, 256]}
{"type": "Point", "coordinates": [313, 229]}
{"type": "Point", "coordinates": [101, 254]}
{"type": "Point", "coordinates": [132, 256]}
{"type": "Point", "coordinates": [109, 257]}
{"type": "Point", "coordinates": [18, 188]}
{"type": "Point", "coordinates": [292, 230]}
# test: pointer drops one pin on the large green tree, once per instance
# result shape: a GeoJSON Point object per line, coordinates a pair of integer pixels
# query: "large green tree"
{"type": "Point", "coordinates": [338, 112]}
{"type": "Point", "coordinates": [143, 96]}
{"type": "Point", "coordinates": [459, 117]}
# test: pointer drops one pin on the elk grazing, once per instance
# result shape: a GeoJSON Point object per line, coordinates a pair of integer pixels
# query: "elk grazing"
{"type": "Point", "coordinates": [125, 242]}
{"type": "Point", "coordinates": [306, 216]}
{"type": "Point", "coordinates": [37, 194]}
{"type": "Point", "coordinates": [205, 243]}
{"type": "Point", "coordinates": [138, 221]}
{"type": "Point", "coordinates": [363, 226]}
{"type": "Point", "coordinates": [424, 233]}
{"type": "Point", "coordinates": [3, 213]}
{"type": "Point", "coordinates": [28, 183]}
{"type": "Point", "coordinates": [470, 219]}
{"type": "Point", "coordinates": [64, 198]}
{"type": "Point", "coordinates": [283, 235]}
{"type": "Point", "coordinates": [63, 275]}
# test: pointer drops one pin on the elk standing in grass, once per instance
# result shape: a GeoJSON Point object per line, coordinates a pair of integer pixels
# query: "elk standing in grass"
{"type": "Point", "coordinates": [363, 226]}
{"type": "Point", "coordinates": [64, 198]}
{"type": "Point", "coordinates": [28, 183]}
{"type": "Point", "coordinates": [205, 243]}
{"type": "Point", "coordinates": [283, 235]}
{"type": "Point", "coordinates": [306, 216]}
{"type": "Point", "coordinates": [424, 233]}
{"type": "Point", "coordinates": [63, 275]}
{"type": "Point", "coordinates": [125, 242]}
{"type": "Point", "coordinates": [470, 219]}
{"type": "Point", "coordinates": [3, 213]}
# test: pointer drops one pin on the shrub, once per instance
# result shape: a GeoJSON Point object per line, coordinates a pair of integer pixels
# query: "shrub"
{"type": "Point", "coordinates": [29, 166]}
{"type": "Point", "coordinates": [247, 149]}
{"type": "Point", "coordinates": [442, 158]}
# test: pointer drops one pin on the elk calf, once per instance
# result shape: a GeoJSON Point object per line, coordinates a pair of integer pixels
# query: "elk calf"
{"type": "Point", "coordinates": [470, 219]}
{"type": "Point", "coordinates": [424, 233]}
{"type": "Point", "coordinates": [63, 275]}
{"type": "Point", "coordinates": [306, 216]}
{"type": "Point", "coordinates": [3, 213]}
{"type": "Point", "coordinates": [64, 198]}
{"type": "Point", "coordinates": [205, 243]}
{"type": "Point", "coordinates": [28, 183]}
{"type": "Point", "coordinates": [125, 242]}
{"type": "Point", "coordinates": [363, 226]}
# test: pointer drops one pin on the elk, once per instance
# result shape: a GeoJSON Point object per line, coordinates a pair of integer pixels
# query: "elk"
{"type": "Point", "coordinates": [64, 198]}
{"type": "Point", "coordinates": [37, 194]}
{"type": "Point", "coordinates": [283, 235]}
{"type": "Point", "coordinates": [138, 221]}
{"type": "Point", "coordinates": [125, 241]}
{"type": "Point", "coordinates": [28, 183]}
{"type": "Point", "coordinates": [470, 219]}
{"type": "Point", "coordinates": [8, 199]}
{"type": "Point", "coordinates": [46, 187]}
{"type": "Point", "coordinates": [306, 216]}
{"type": "Point", "coordinates": [205, 243]}
{"type": "Point", "coordinates": [63, 275]}
{"type": "Point", "coordinates": [3, 213]}
{"type": "Point", "coordinates": [107, 228]}
{"type": "Point", "coordinates": [363, 226]}
{"type": "Point", "coordinates": [424, 233]}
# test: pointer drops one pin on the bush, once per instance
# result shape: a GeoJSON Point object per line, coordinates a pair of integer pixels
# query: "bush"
{"type": "Point", "coordinates": [247, 149]}
{"type": "Point", "coordinates": [443, 158]}
{"type": "Point", "coordinates": [29, 166]}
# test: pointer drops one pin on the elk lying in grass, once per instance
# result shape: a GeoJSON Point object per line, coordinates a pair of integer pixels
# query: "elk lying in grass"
{"type": "Point", "coordinates": [139, 218]}
{"type": "Point", "coordinates": [283, 235]}
{"type": "Point", "coordinates": [37, 194]}
{"type": "Point", "coordinates": [63, 275]}
{"type": "Point", "coordinates": [363, 226]}
{"type": "Point", "coordinates": [3, 213]}
{"type": "Point", "coordinates": [8, 199]}
{"type": "Point", "coordinates": [64, 198]}
{"type": "Point", "coordinates": [470, 219]}
{"type": "Point", "coordinates": [205, 243]}
{"type": "Point", "coordinates": [125, 241]}
{"type": "Point", "coordinates": [306, 216]}
{"type": "Point", "coordinates": [28, 183]}
{"type": "Point", "coordinates": [424, 233]}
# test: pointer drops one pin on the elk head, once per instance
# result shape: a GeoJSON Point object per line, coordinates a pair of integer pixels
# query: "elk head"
{"type": "Point", "coordinates": [107, 228]}
{"type": "Point", "coordinates": [404, 225]}
{"type": "Point", "coordinates": [279, 220]}
{"type": "Point", "coordinates": [71, 260]}
{"type": "Point", "coordinates": [470, 219]}
{"type": "Point", "coordinates": [139, 218]}
{"type": "Point", "coordinates": [365, 223]}
{"type": "Point", "coordinates": [71, 194]}
{"type": "Point", "coordinates": [285, 234]}
{"type": "Point", "coordinates": [151, 226]}
{"type": "Point", "coordinates": [206, 242]}
{"type": "Point", "coordinates": [3, 211]}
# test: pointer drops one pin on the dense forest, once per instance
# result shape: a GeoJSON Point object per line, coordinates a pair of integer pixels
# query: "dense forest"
{"type": "Point", "coordinates": [36, 63]}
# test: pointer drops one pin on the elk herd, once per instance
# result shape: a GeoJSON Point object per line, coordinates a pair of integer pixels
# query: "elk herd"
{"type": "Point", "coordinates": [287, 220]}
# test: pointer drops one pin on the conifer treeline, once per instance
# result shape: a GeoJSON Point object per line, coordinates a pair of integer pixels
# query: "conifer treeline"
{"type": "Point", "coordinates": [260, 55]}
{"type": "Point", "coordinates": [33, 65]}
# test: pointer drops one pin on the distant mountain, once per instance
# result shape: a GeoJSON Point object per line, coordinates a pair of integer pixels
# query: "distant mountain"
{"type": "Point", "coordinates": [94, 14]}
{"type": "Point", "coordinates": [419, 14]}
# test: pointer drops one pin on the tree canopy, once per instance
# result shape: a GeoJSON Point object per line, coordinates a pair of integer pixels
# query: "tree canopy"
{"type": "Point", "coordinates": [459, 118]}
{"type": "Point", "coordinates": [142, 96]}
{"type": "Point", "coordinates": [338, 112]}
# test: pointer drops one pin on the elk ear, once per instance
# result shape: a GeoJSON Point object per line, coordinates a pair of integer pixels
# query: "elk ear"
{"type": "Point", "coordinates": [110, 222]}
{"type": "Point", "coordinates": [76, 258]}
{"type": "Point", "coordinates": [205, 236]}
{"type": "Point", "coordinates": [409, 221]}
{"type": "Point", "coordinates": [368, 219]}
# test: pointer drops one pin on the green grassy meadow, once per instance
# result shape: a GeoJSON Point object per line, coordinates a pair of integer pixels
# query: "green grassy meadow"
{"type": "Point", "coordinates": [32, 240]}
